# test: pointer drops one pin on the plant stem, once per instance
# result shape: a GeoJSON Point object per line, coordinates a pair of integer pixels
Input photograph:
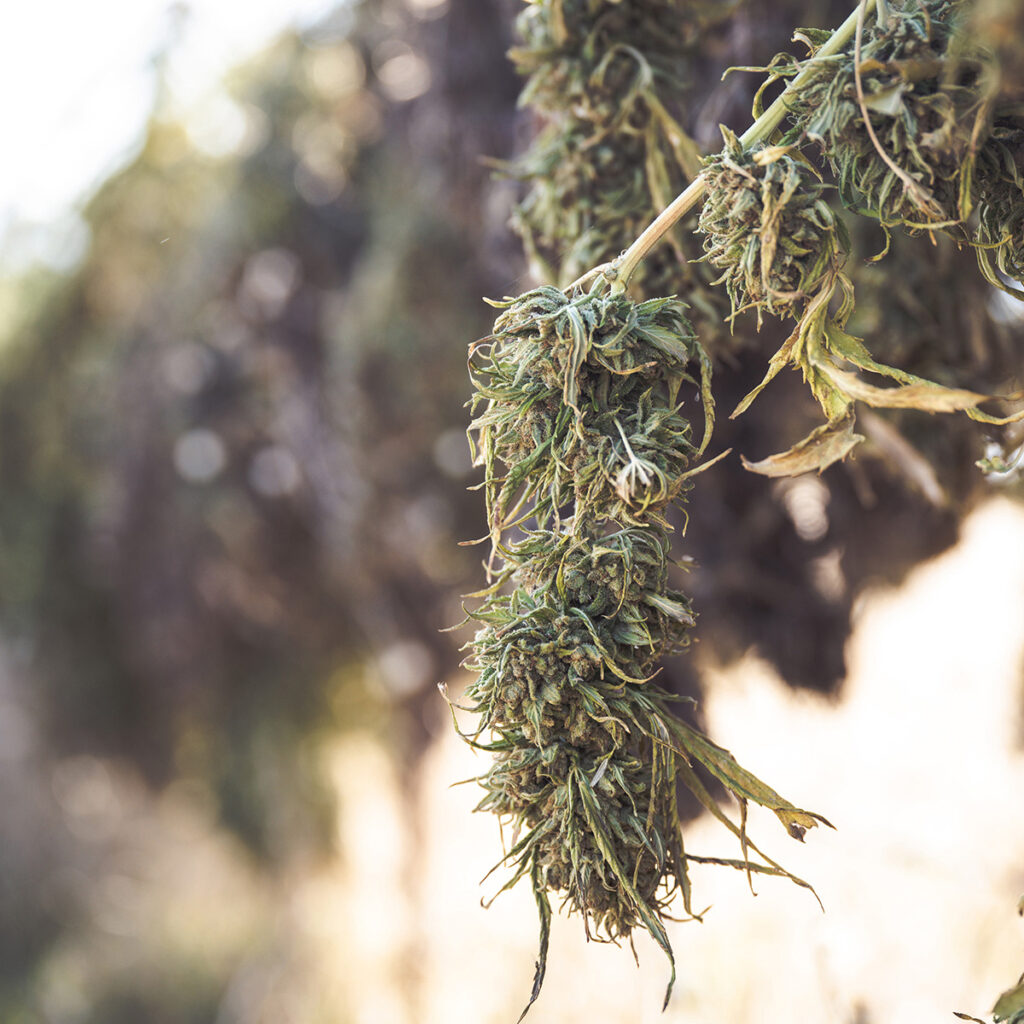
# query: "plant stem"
{"type": "Point", "coordinates": [760, 131]}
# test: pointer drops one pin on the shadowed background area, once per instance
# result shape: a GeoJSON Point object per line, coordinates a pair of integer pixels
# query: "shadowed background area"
{"type": "Point", "coordinates": [233, 485]}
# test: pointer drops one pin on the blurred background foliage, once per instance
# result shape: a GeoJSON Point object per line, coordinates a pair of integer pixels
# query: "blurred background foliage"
{"type": "Point", "coordinates": [233, 480]}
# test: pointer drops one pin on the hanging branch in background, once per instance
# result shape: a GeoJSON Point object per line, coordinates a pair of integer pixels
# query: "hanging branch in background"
{"type": "Point", "coordinates": [609, 82]}
{"type": "Point", "coordinates": [931, 92]}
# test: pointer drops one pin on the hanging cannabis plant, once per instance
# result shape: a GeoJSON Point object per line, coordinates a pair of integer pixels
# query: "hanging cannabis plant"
{"type": "Point", "coordinates": [584, 401]}
{"type": "Point", "coordinates": [768, 226]}
{"type": "Point", "coordinates": [900, 104]}
{"type": "Point", "coordinates": [921, 123]}
{"type": "Point", "coordinates": [580, 427]}
{"type": "Point", "coordinates": [898, 116]}
{"type": "Point", "coordinates": [579, 399]}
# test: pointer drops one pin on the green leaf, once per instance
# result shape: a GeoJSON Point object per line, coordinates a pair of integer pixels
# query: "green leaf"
{"type": "Point", "coordinates": [595, 819]}
{"type": "Point", "coordinates": [544, 912]}
{"type": "Point", "coordinates": [578, 353]}
{"type": "Point", "coordinates": [673, 609]}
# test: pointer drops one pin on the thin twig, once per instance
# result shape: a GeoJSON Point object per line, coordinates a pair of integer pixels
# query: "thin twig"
{"type": "Point", "coordinates": [593, 272]}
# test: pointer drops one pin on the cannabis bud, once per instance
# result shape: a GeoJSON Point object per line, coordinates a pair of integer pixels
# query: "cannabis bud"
{"type": "Point", "coordinates": [1000, 234]}
{"type": "Point", "coordinates": [898, 116]}
{"type": "Point", "coordinates": [768, 226]}
{"type": "Point", "coordinates": [565, 666]}
{"type": "Point", "coordinates": [580, 406]}
{"type": "Point", "coordinates": [609, 81]}
{"type": "Point", "coordinates": [579, 427]}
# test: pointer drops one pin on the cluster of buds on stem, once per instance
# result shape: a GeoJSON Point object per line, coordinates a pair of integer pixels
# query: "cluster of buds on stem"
{"type": "Point", "coordinates": [580, 393]}
{"type": "Point", "coordinates": [609, 82]}
{"type": "Point", "coordinates": [580, 429]}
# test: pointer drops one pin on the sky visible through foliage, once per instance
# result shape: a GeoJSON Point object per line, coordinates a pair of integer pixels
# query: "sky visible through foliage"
{"type": "Point", "coordinates": [91, 72]}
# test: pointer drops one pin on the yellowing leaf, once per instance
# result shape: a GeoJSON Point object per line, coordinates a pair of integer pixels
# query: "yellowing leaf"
{"type": "Point", "coordinates": [886, 101]}
{"type": "Point", "coordinates": [867, 66]}
{"type": "Point", "coordinates": [924, 396]}
{"type": "Point", "coordinates": [720, 763]}
{"type": "Point", "coordinates": [797, 822]}
{"type": "Point", "coordinates": [770, 154]}
{"type": "Point", "coordinates": [829, 443]}
{"type": "Point", "coordinates": [775, 365]}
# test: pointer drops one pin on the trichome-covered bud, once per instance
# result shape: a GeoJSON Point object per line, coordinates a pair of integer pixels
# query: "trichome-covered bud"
{"type": "Point", "coordinates": [610, 83]}
{"type": "Point", "coordinates": [578, 406]}
{"type": "Point", "coordinates": [600, 828]}
{"type": "Point", "coordinates": [900, 128]}
{"type": "Point", "coordinates": [562, 656]}
{"type": "Point", "coordinates": [768, 226]}
{"type": "Point", "coordinates": [579, 426]}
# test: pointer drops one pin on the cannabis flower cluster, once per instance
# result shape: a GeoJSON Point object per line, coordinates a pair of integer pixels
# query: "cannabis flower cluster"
{"type": "Point", "coordinates": [1000, 233]}
{"type": "Point", "coordinates": [768, 226]}
{"type": "Point", "coordinates": [581, 407]}
{"type": "Point", "coordinates": [580, 430]}
{"type": "Point", "coordinates": [608, 81]}
{"type": "Point", "coordinates": [898, 116]}
{"type": "Point", "coordinates": [907, 111]}
{"type": "Point", "coordinates": [920, 120]}
{"type": "Point", "coordinates": [578, 411]}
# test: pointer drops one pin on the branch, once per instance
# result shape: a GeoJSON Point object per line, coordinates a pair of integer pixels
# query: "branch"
{"type": "Point", "coordinates": [761, 130]}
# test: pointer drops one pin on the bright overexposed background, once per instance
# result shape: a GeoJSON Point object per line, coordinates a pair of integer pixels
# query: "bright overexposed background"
{"type": "Point", "coordinates": [78, 83]}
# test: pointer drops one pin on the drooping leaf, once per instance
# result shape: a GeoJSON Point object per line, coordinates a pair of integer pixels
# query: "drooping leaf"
{"type": "Point", "coordinates": [826, 444]}
{"type": "Point", "coordinates": [924, 396]}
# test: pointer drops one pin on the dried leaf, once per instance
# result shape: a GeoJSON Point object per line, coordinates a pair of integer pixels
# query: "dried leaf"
{"type": "Point", "coordinates": [544, 914]}
{"type": "Point", "coordinates": [781, 359]}
{"type": "Point", "coordinates": [829, 443]}
{"type": "Point", "coordinates": [924, 395]}
{"type": "Point", "coordinates": [886, 101]}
